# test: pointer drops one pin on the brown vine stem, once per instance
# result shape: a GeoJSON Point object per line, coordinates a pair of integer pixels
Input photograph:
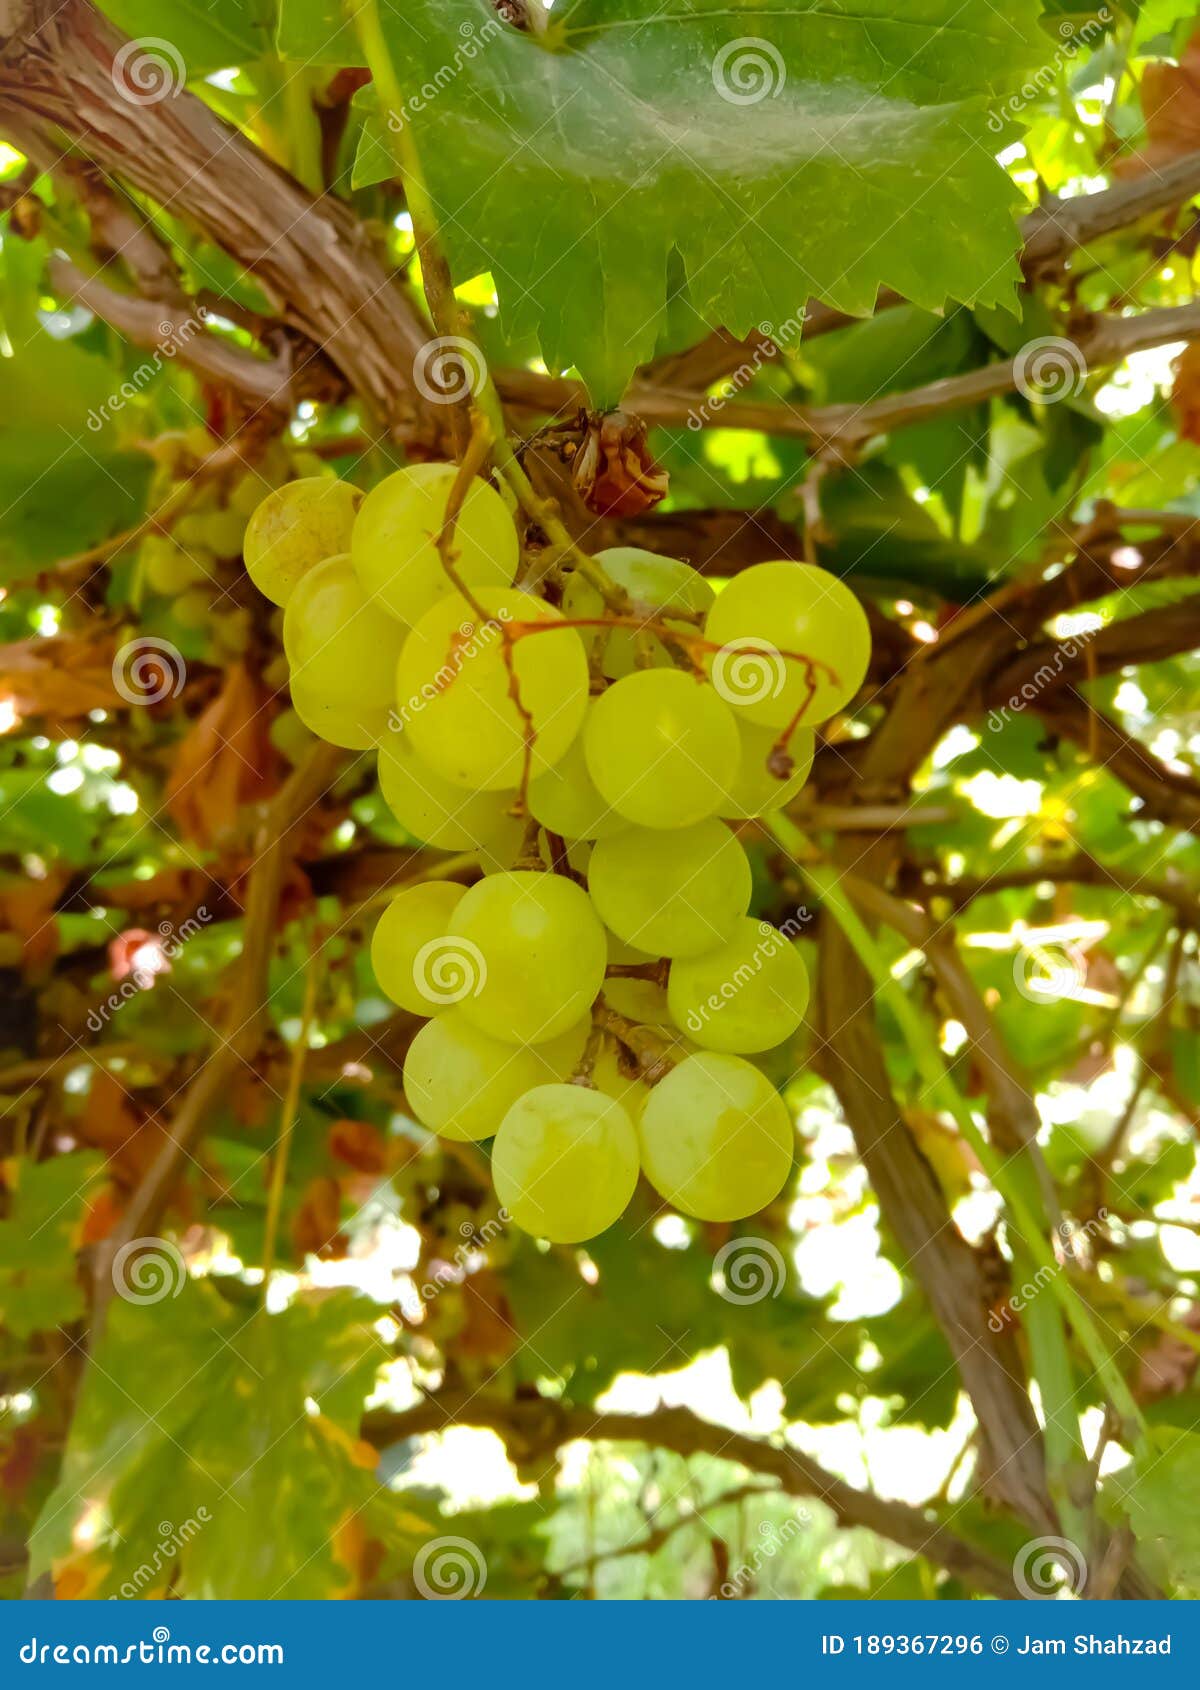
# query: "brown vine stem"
{"type": "Point", "coordinates": [287, 1115]}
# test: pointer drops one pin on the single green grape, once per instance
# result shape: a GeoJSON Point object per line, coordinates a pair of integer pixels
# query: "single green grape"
{"type": "Point", "coordinates": [748, 994]}
{"type": "Point", "coordinates": [353, 727]}
{"type": "Point", "coordinates": [231, 632]}
{"type": "Point", "coordinates": [565, 1162]}
{"type": "Point", "coordinates": [755, 791]}
{"type": "Point", "coordinates": [194, 609]}
{"type": "Point", "coordinates": [783, 607]}
{"type": "Point", "coordinates": [716, 1138]}
{"type": "Point", "coordinates": [564, 798]}
{"type": "Point", "coordinates": [224, 531]}
{"type": "Point", "coordinates": [671, 894]}
{"type": "Point", "coordinates": [626, 1089]}
{"type": "Point", "coordinates": [294, 529]}
{"type": "Point", "coordinates": [435, 810]}
{"type": "Point", "coordinates": [455, 687]}
{"type": "Point", "coordinates": [644, 1001]}
{"type": "Point", "coordinates": [395, 540]}
{"type": "Point", "coordinates": [658, 585]}
{"type": "Point", "coordinates": [461, 1083]}
{"type": "Point", "coordinates": [412, 964]}
{"type": "Point", "coordinates": [167, 568]}
{"type": "Point", "coordinates": [662, 748]}
{"type": "Point", "coordinates": [340, 651]}
{"type": "Point", "coordinates": [537, 953]}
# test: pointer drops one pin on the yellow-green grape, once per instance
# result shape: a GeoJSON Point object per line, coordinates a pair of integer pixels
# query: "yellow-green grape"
{"type": "Point", "coordinates": [662, 748]}
{"type": "Point", "coordinates": [194, 609]}
{"type": "Point", "coordinates": [644, 1001]}
{"type": "Point", "coordinates": [453, 687]}
{"type": "Point", "coordinates": [167, 568]}
{"type": "Point", "coordinates": [775, 608]}
{"type": "Point", "coordinates": [224, 530]}
{"type": "Point", "coordinates": [716, 1138]}
{"type": "Point", "coordinates": [747, 995]}
{"type": "Point", "coordinates": [461, 1083]}
{"type": "Point", "coordinates": [395, 540]}
{"type": "Point", "coordinates": [412, 951]}
{"type": "Point", "coordinates": [565, 1162]}
{"type": "Point", "coordinates": [564, 798]}
{"type": "Point", "coordinates": [342, 654]}
{"type": "Point", "coordinates": [655, 584]}
{"type": "Point", "coordinates": [295, 528]}
{"type": "Point", "coordinates": [289, 736]}
{"type": "Point", "coordinates": [671, 894]}
{"type": "Point", "coordinates": [353, 727]}
{"type": "Point", "coordinates": [755, 791]}
{"type": "Point", "coordinates": [248, 492]}
{"type": "Point", "coordinates": [434, 810]}
{"type": "Point", "coordinates": [231, 632]}
{"type": "Point", "coordinates": [535, 951]}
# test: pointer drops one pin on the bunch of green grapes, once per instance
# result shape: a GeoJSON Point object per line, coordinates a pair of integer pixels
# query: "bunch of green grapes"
{"type": "Point", "coordinates": [590, 1003]}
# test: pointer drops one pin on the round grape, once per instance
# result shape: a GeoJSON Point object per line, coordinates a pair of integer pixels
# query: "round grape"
{"type": "Point", "coordinates": [354, 728]}
{"type": "Point", "coordinates": [662, 748]}
{"type": "Point", "coordinates": [395, 540]}
{"type": "Point", "coordinates": [564, 798]}
{"type": "Point", "coordinates": [296, 527]}
{"type": "Point", "coordinates": [538, 954]}
{"type": "Point", "coordinates": [406, 948]}
{"type": "Point", "coordinates": [436, 811]}
{"type": "Point", "coordinates": [671, 894]}
{"type": "Point", "coordinates": [565, 1162]}
{"type": "Point", "coordinates": [787, 607]}
{"type": "Point", "coordinates": [656, 584]}
{"type": "Point", "coordinates": [748, 994]}
{"type": "Point", "coordinates": [340, 652]}
{"type": "Point", "coordinates": [454, 689]}
{"type": "Point", "coordinates": [755, 791]}
{"type": "Point", "coordinates": [461, 1083]}
{"type": "Point", "coordinates": [716, 1138]}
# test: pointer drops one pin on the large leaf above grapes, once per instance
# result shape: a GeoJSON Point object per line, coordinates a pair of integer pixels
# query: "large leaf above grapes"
{"type": "Point", "coordinates": [796, 151]}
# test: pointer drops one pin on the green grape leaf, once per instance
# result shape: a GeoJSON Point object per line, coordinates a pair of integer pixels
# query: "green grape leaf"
{"type": "Point", "coordinates": [193, 37]}
{"type": "Point", "coordinates": [797, 152]}
{"type": "Point", "coordinates": [198, 1418]}
{"type": "Point", "coordinates": [1158, 1491]}
{"type": "Point", "coordinates": [39, 1286]}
